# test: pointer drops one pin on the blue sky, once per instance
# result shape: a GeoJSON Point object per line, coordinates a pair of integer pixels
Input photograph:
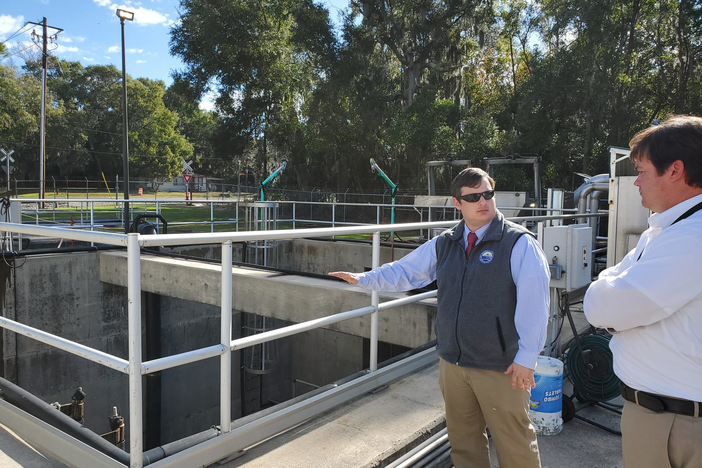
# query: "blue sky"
{"type": "Point", "coordinates": [91, 32]}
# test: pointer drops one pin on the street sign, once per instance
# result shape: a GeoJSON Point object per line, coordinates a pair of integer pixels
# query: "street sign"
{"type": "Point", "coordinates": [187, 169]}
{"type": "Point", "coordinates": [186, 178]}
{"type": "Point", "coordinates": [7, 159]}
{"type": "Point", "coordinates": [7, 154]}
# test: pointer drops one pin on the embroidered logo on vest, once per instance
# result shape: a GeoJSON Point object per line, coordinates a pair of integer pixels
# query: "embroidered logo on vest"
{"type": "Point", "coordinates": [486, 256]}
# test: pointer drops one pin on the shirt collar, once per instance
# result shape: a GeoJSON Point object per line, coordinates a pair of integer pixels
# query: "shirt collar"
{"type": "Point", "coordinates": [668, 217]}
{"type": "Point", "coordinates": [480, 232]}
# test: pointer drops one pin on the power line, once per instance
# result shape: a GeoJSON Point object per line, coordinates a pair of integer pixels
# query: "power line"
{"type": "Point", "coordinates": [17, 33]}
{"type": "Point", "coordinates": [20, 51]}
{"type": "Point", "coordinates": [73, 149]}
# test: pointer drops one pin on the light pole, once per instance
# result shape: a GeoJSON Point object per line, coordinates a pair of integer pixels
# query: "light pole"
{"type": "Point", "coordinates": [125, 15]}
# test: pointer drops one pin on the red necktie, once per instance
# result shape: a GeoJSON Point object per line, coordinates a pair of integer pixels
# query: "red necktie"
{"type": "Point", "coordinates": [472, 239]}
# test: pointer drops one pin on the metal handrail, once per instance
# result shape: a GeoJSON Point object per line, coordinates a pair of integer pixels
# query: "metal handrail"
{"type": "Point", "coordinates": [135, 367]}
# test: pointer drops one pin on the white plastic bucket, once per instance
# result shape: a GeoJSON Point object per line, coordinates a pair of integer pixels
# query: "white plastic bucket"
{"type": "Point", "coordinates": [546, 404]}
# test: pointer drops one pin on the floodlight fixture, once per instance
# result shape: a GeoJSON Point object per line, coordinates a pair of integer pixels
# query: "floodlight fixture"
{"type": "Point", "coordinates": [125, 15]}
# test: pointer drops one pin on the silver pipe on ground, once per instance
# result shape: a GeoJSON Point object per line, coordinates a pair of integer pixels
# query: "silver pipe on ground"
{"type": "Point", "coordinates": [421, 450]}
{"type": "Point", "coordinates": [166, 450]}
{"type": "Point", "coordinates": [441, 461]}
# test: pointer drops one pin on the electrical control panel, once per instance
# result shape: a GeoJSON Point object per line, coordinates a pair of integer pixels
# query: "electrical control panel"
{"type": "Point", "coordinates": [567, 250]}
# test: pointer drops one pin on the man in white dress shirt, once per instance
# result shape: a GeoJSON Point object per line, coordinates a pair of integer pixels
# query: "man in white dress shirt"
{"type": "Point", "coordinates": [652, 303]}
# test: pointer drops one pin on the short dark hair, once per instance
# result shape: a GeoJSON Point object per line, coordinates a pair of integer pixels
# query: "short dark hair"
{"type": "Point", "coordinates": [469, 177]}
{"type": "Point", "coordinates": [677, 138]}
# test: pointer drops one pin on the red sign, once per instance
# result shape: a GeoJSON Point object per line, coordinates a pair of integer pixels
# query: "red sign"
{"type": "Point", "coordinates": [186, 178]}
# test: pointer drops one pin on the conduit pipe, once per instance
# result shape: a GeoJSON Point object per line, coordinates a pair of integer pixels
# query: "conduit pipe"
{"type": "Point", "coordinates": [25, 401]}
{"type": "Point", "coordinates": [582, 193]}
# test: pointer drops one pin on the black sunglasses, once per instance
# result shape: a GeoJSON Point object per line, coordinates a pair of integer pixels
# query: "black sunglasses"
{"type": "Point", "coordinates": [474, 197]}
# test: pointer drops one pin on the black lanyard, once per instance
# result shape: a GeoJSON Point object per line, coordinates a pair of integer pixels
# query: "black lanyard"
{"type": "Point", "coordinates": [686, 214]}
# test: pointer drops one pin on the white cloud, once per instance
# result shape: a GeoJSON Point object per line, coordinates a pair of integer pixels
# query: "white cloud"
{"type": "Point", "coordinates": [208, 101]}
{"type": "Point", "coordinates": [141, 61]}
{"type": "Point", "coordinates": [107, 57]}
{"type": "Point", "coordinates": [9, 25]}
{"type": "Point", "coordinates": [207, 106]}
{"type": "Point", "coordinates": [114, 49]}
{"type": "Point", "coordinates": [88, 59]}
{"type": "Point", "coordinates": [64, 49]}
{"type": "Point", "coordinates": [142, 16]}
{"type": "Point", "coordinates": [64, 38]}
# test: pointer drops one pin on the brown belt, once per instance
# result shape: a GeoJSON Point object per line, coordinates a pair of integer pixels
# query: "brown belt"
{"type": "Point", "coordinates": [659, 403]}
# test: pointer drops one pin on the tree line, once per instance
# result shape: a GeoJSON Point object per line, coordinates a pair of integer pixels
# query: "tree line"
{"type": "Point", "coordinates": [404, 82]}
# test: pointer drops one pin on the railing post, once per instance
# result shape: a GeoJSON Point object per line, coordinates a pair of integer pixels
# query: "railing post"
{"type": "Point", "coordinates": [136, 443]}
{"type": "Point", "coordinates": [211, 215]}
{"type": "Point", "coordinates": [374, 302]}
{"type": "Point", "coordinates": [293, 215]}
{"type": "Point", "coordinates": [225, 379]}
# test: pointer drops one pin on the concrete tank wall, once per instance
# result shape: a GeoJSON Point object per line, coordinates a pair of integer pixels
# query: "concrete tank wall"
{"type": "Point", "coordinates": [321, 257]}
{"type": "Point", "coordinates": [61, 294]}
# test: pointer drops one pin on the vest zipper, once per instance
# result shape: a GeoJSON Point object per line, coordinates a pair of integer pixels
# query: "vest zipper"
{"type": "Point", "coordinates": [458, 309]}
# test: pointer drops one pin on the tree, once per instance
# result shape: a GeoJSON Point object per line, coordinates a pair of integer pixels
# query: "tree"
{"type": "Point", "coordinates": [262, 58]}
{"type": "Point", "coordinates": [198, 127]}
{"type": "Point", "coordinates": [19, 96]}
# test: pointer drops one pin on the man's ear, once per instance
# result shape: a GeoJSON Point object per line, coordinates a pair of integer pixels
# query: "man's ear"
{"type": "Point", "coordinates": [676, 171]}
{"type": "Point", "coordinates": [457, 203]}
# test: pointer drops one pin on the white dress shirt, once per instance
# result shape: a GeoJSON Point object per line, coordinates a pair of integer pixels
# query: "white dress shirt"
{"type": "Point", "coordinates": [529, 271]}
{"type": "Point", "coordinates": [655, 306]}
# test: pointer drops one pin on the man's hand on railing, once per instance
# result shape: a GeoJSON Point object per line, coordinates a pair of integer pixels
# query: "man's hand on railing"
{"type": "Point", "coordinates": [346, 276]}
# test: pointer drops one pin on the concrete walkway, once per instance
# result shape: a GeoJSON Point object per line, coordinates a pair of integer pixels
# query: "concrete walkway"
{"type": "Point", "coordinates": [371, 430]}
{"type": "Point", "coordinates": [15, 453]}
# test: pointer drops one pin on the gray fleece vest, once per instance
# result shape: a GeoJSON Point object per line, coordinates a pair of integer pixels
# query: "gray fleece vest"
{"type": "Point", "coordinates": [477, 297]}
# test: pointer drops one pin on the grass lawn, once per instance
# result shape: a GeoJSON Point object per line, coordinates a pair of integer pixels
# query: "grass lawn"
{"type": "Point", "coordinates": [110, 213]}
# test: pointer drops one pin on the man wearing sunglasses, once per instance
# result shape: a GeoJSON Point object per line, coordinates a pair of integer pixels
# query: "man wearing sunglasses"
{"type": "Point", "coordinates": [493, 307]}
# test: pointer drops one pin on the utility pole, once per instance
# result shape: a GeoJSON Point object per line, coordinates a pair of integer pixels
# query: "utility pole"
{"type": "Point", "coordinates": [44, 64]}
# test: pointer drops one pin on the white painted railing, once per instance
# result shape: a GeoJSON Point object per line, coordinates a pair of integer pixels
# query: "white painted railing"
{"type": "Point", "coordinates": [84, 212]}
{"type": "Point", "coordinates": [136, 368]}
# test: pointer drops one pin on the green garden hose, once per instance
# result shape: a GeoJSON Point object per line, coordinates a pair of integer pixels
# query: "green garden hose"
{"type": "Point", "coordinates": [589, 367]}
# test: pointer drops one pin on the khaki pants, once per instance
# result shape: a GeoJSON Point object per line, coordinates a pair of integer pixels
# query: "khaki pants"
{"type": "Point", "coordinates": [660, 440]}
{"type": "Point", "coordinates": [477, 398]}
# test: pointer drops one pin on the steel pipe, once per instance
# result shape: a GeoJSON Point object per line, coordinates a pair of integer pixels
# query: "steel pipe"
{"type": "Point", "coordinates": [225, 363]}
{"type": "Point", "coordinates": [264, 337]}
{"type": "Point", "coordinates": [136, 443]}
{"type": "Point", "coordinates": [375, 263]}
{"type": "Point", "coordinates": [188, 357]}
{"type": "Point", "coordinates": [86, 352]}
{"type": "Point", "coordinates": [63, 233]}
